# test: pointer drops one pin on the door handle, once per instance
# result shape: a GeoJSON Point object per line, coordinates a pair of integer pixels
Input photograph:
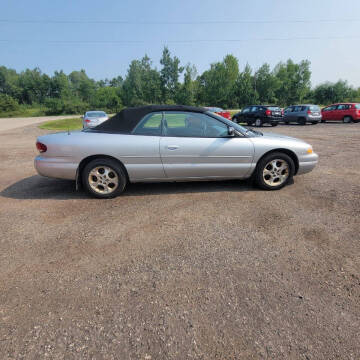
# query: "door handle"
{"type": "Point", "coordinates": [173, 147]}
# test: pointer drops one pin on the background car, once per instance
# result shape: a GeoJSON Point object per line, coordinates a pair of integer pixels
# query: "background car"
{"type": "Point", "coordinates": [94, 118]}
{"type": "Point", "coordinates": [302, 114]}
{"type": "Point", "coordinates": [346, 112]}
{"type": "Point", "coordinates": [259, 115]}
{"type": "Point", "coordinates": [219, 111]}
{"type": "Point", "coordinates": [170, 143]}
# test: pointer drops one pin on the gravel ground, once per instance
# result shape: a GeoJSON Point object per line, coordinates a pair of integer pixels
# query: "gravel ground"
{"type": "Point", "coordinates": [209, 270]}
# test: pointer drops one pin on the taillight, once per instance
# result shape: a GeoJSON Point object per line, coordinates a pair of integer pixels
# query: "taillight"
{"type": "Point", "coordinates": [268, 112]}
{"type": "Point", "coordinates": [87, 120]}
{"type": "Point", "coordinates": [309, 112]}
{"type": "Point", "coordinates": [41, 147]}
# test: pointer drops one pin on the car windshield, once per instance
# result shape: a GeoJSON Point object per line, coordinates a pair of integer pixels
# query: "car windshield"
{"type": "Point", "coordinates": [274, 108]}
{"type": "Point", "coordinates": [314, 108]}
{"type": "Point", "coordinates": [236, 126]}
{"type": "Point", "coordinates": [95, 114]}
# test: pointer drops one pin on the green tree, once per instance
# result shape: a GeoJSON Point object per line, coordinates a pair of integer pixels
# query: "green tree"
{"type": "Point", "coordinates": [82, 86]}
{"type": "Point", "coordinates": [245, 93]}
{"type": "Point", "coordinates": [333, 92]}
{"type": "Point", "coordinates": [108, 99]}
{"type": "Point", "coordinates": [169, 76]}
{"type": "Point", "coordinates": [217, 85]}
{"type": "Point", "coordinates": [187, 90]}
{"type": "Point", "coordinates": [266, 85]}
{"type": "Point", "coordinates": [142, 84]}
{"type": "Point", "coordinates": [294, 81]}
{"type": "Point", "coordinates": [7, 103]}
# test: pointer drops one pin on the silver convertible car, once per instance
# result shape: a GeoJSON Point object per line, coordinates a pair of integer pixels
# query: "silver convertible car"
{"type": "Point", "coordinates": [170, 143]}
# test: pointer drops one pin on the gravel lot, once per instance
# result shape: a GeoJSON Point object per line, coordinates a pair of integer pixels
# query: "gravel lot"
{"type": "Point", "coordinates": [210, 270]}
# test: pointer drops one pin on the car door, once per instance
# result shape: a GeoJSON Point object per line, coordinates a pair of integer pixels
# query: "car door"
{"type": "Point", "coordinates": [327, 113]}
{"type": "Point", "coordinates": [287, 114]}
{"type": "Point", "coordinates": [338, 112]}
{"type": "Point", "coordinates": [142, 157]}
{"type": "Point", "coordinates": [196, 145]}
{"type": "Point", "coordinates": [245, 114]}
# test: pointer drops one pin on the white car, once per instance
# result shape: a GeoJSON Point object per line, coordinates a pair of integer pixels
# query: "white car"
{"type": "Point", "coordinates": [94, 118]}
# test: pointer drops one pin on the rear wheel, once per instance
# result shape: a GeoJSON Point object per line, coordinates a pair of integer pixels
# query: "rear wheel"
{"type": "Point", "coordinates": [104, 178]}
{"type": "Point", "coordinates": [258, 122]}
{"type": "Point", "coordinates": [347, 119]}
{"type": "Point", "coordinates": [274, 171]}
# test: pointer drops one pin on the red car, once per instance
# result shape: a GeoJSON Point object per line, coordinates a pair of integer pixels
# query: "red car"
{"type": "Point", "coordinates": [220, 111]}
{"type": "Point", "coordinates": [346, 112]}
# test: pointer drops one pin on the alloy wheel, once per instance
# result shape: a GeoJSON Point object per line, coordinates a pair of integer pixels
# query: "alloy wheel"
{"type": "Point", "coordinates": [276, 172]}
{"type": "Point", "coordinates": [103, 179]}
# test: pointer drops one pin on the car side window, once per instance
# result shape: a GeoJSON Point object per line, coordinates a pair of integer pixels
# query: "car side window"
{"type": "Point", "coordinates": [254, 109]}
{"type": "Point", "coordinates": [149, 125]}
{"type": "Point", "coordinates": [246, 110]}
{"type": "Point", "coordinates": [341, 107]}
{"type": "Point", "coordinates": [330, 108]}
{"type": "Point", "coordinates": [189, 124]}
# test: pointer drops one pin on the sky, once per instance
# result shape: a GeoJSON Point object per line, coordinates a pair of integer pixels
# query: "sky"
{"type": "Point", "coordinates": [103, 37]}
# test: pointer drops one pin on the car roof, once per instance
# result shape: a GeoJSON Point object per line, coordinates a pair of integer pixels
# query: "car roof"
{"type": "Point", "coordinates": [126, 120]}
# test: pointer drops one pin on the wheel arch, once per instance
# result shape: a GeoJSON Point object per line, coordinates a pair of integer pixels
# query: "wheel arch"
{"type": "Point", "coordinates": [86, 160]}
{"type": "Point", "coordinates": [285, 151]}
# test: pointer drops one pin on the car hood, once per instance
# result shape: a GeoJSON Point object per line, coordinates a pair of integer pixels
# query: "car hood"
{"type": "Point", "coordinates": [280, 136]}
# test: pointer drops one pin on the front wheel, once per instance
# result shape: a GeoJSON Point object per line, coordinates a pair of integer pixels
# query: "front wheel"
{"type": "Point", "coordinates": [104, 178]}
{"type": "Point", "coordinates": [235, 120]}
{"type": "Point", "coordinates": [347, 119]}
{"type": "Point", "coordinates": [274, 171]}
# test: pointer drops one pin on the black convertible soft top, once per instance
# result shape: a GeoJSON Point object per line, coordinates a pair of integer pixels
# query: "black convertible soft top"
{"type": "Point", "coordinates": [126, 120]}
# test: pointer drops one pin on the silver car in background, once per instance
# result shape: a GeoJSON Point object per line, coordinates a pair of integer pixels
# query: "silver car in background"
{"type": "Point", "coordinates": [94, 118]}
{"type": "Point", "coordinates": [170, 143]}
{"type": "Point", "coordinates": [302, 114]}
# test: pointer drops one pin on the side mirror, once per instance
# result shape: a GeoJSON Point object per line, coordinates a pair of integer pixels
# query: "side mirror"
{"type": "Point", "coordinates": [231, 131]}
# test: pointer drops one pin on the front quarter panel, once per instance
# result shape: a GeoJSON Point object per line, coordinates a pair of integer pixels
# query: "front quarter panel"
{"type": "Point", "coordinates": [267, 143]}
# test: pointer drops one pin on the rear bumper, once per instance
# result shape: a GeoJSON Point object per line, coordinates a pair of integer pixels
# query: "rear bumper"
{"type": "Point", "coordinates": [313, 119]}
{"type": "Point", "coordinates": [60, 168]}
{"type": "Point", "coordinates": [307, 163]}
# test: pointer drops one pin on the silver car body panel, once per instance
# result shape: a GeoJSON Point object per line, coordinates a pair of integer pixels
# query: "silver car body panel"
{"type": "Point", "coordinates": [157, 158]}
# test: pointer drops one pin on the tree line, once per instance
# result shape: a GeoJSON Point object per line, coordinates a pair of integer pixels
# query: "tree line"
{"type": "Point", "coordinates": [224, 85]}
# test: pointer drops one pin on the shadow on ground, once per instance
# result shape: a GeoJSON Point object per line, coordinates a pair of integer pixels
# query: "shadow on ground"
{"type": "Point", "coordinates": [37, 187]}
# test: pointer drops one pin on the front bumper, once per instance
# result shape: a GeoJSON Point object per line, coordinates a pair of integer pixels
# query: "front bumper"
{"type": "Point", "coordinates": [307, 163]}
{"type": "Point", "coordinates": [60, 168]}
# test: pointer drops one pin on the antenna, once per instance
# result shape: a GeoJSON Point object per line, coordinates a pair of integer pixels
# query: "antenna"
{"type": "Point", "coordinates": [68, 124]}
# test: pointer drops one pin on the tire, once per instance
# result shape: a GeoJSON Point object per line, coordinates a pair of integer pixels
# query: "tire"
{"type": "Point", "coordinates": [323, 121]}
{"type": "Point", "coordinates": [258, 122]}
{"type": "Point", "coordinates": [109, 179]}
{"type": "Point", "coordinates": [267, 172]}
{"type": "Point", "coordinates": [235, 120]}
{"type": "Point", "coordinates": [347, 119]}
{"type": "Point", "coordinates": [314, 122]}
{"type": "Point", "coordinates": [274, 124]}
{"type": "Point", "coordinates": [302, 121]}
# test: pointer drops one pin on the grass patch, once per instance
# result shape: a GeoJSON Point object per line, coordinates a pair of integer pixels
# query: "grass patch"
{"type": "Point", "coordinates": [63, 124]}
{"type": "Point", "coordinates": [24, 111]}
